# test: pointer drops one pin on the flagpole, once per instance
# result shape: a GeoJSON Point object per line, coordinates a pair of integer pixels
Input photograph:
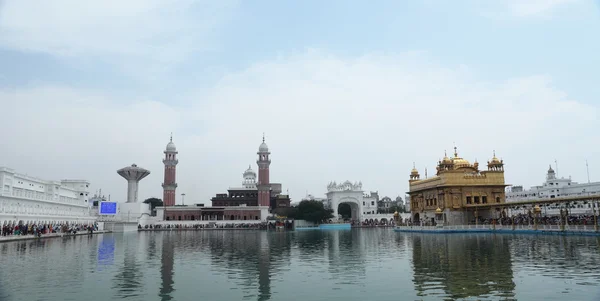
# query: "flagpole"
{"type": "Point", "coordinates": [587, 167]}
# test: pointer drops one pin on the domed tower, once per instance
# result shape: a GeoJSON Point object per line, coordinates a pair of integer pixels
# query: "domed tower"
{"type": "Point", "coordinates": [414, 174]}
{"type": "Point", "coordinates": [263, 185]}
{"type": "Point", "coordinates": [445, 164]}
{"type": "Point", "coordinates": [249, 179]}
{"type": "Point", "coordinates": [551, 174]}
{"type": "Point", "coordinates": [169, 185]}
{"type": "Point", "coordinates": [495, 164]}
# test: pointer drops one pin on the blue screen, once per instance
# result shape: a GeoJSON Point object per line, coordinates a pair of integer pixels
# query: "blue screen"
{"type": "Point", "coordinates": [108, 208]}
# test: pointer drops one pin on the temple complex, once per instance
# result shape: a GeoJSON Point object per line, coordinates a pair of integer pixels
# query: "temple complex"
{"type": "Point", "coordinates": [250, 202]}
{"type": "Point", "coordinates": [253, 192]}
{"type": "Point", "coordinates": [450, 197]}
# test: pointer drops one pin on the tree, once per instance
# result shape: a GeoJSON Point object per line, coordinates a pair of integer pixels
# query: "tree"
{"type": "Point", "coordinates": [154, 202]}
{"type": "Point", "coordinates": [313, 211]}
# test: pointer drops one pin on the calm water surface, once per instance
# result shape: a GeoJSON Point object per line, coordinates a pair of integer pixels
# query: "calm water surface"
{"type": "Point", "coordinates": [361, 264]}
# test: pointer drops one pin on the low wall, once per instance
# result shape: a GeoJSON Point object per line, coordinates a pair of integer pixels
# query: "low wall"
{"type": "Point", "coordinates": [520, 229]}
{"type": "Point", "coordinates": [335, 226]}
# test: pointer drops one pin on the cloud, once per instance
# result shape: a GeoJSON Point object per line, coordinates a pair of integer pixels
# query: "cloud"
{"type": "Point", "coordinates": [135, 34]}
{"type": "Point", "coordinates": [326, 118]}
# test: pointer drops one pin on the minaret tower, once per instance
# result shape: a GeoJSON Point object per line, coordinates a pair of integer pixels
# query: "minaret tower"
{"type": "Point", "coordinates": [264, 186]}
{"type": "Point", "coordinates": [169, 185]}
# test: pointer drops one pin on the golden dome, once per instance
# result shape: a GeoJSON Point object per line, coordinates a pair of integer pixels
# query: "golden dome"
{"type": "Point", "coordinates": [446, 160]}
{"type": "Point", "coordinates": [537, 208]}
{"type": "Point", "coordinates": [460, 162]}
{"type": "Point", "coordinates": [414, 171]}
{"type": "Point", "coordinates": [438, 210]}
{"type": "Point", "coordinates": [495, 160]}
{"type": "Point", "coordinates": [396, 213]}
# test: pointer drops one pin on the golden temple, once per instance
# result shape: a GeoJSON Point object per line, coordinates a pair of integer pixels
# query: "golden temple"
{"type": "Point", "coordinates": [445, 198]}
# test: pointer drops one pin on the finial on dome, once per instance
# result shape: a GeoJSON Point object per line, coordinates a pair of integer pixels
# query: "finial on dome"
{"type": "Point", "coordinates": [494, 153]}
{"type": "Point", "coordinates": [445, 153]}
{"type": "Point", "coordinates": [171, 136]}
{"type": "Point", "coordinates": [263, 137]}
{"type": "Point", "coordinates": [455, 151]}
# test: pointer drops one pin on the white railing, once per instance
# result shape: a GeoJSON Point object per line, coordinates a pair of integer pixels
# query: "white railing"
{"type": "Point", "coordinates": [577, 228]}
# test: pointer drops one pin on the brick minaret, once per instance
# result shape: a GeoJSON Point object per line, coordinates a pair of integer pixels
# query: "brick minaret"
{"type": "Point", "coordinates": [169, 185]}
{"type": "Point", "coordinates": [263, 185]}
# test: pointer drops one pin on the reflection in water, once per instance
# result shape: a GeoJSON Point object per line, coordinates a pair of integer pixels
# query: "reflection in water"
{"type": "Point", "coordinates": [166, 268]}
{"type": "Point", "coordinates": [359, 264]}
{"type": "Point", "coordinates": [106, 251]}
{"type": "Point", "coordinates": [254, 254]}
{"type": "Point", "coordinates": [462, 266]}
{"type": "Point", "coordinates": [127, 281]}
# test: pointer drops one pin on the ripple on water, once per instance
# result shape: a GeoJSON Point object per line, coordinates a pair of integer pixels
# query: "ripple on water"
{"type": "Point", "coordinates": [333, 265]}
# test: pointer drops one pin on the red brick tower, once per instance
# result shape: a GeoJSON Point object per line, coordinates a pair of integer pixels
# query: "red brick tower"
{"type": "Point", "coordinates": [263, 185]}
{"type": "Point", "coordinates": [169, 185]}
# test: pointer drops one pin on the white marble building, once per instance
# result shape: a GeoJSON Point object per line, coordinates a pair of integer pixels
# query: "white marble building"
{"type": "Point", "coordinates": [555, 187]}
{"type": "Point", "coordinates": [26, 199]}
{"type": "Point", "coordinates": [362, 204]}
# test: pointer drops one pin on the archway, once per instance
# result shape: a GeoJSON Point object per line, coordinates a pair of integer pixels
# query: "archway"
{"type": "Point", "coordinates": [416, 218]}
{"type": "Point", "coordinates": [338, 198]}
{"type": "Point", "coordinates": [347, 211]}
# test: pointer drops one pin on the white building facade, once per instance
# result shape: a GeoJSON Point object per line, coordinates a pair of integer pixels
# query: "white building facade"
{"type": "Point", "coordinates": [25, 199]}
{"type": "Point", "coordinates": [555, 187]}
{"type": "Point", "coordinates": [362, 204]}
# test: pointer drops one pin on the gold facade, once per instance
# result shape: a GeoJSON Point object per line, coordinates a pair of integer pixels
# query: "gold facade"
{"type": "Point", "coordinates": [457, 185]}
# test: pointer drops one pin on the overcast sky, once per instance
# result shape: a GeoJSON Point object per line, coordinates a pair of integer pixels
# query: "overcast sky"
{"type": "Point", "coordinates": [343, 90]}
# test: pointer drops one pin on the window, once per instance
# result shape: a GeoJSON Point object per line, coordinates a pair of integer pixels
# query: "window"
{"type": "Point", "coordinates": [469, 200]}
{"type": "Point", "coordinates": [497, 199]}
{"type": "Point", "coordinates": [484, 199]}
{"type": "Point", "coordinates": [372, 203]}
{"type": "Point", "coordinates": [476, 199]}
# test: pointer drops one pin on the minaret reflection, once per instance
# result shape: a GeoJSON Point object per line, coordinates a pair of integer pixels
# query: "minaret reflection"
{"type": "Point", "coordinates": [166, 268]}
{"type": "Point", "coordinates": [257, 255]}
{"type": "Point", "coordinates": [464, 265]}
{"type": "Point", "coordinates": [264, 269]}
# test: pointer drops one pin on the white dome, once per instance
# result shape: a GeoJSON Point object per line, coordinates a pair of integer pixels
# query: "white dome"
{"type": "Point", "coordinates": [249, 181]}
{"type": "Point", "coordinates": [249, 172]}
{"type": "Point", "coordinates": [171, 147]}
{"type": "Point", "coordinates": [263, 148]}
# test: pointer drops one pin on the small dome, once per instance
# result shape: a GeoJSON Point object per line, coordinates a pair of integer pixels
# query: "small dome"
{"type": "Point", "coordinates": [263, 148]}
{"type": "Point", "coordinates": [438, 210]}
{"type": "Point", "coordinates": [414, 171]}
{"type": "Point", "coordinates": [171, 147]}
{"type": "Point", "coordinates": [249, 171]}
{"type": "Point", "coordinates": [446, 160]}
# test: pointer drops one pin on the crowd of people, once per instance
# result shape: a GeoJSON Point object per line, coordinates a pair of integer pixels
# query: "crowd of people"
{"type": "Point", "coordinates": [526, 219]}
{"type": "Point", "coordinates": [255, 226]}
{"type": "Point", "coordinates": [41, 229]}
{"type": "Point", "coordinates": [519, 219]}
